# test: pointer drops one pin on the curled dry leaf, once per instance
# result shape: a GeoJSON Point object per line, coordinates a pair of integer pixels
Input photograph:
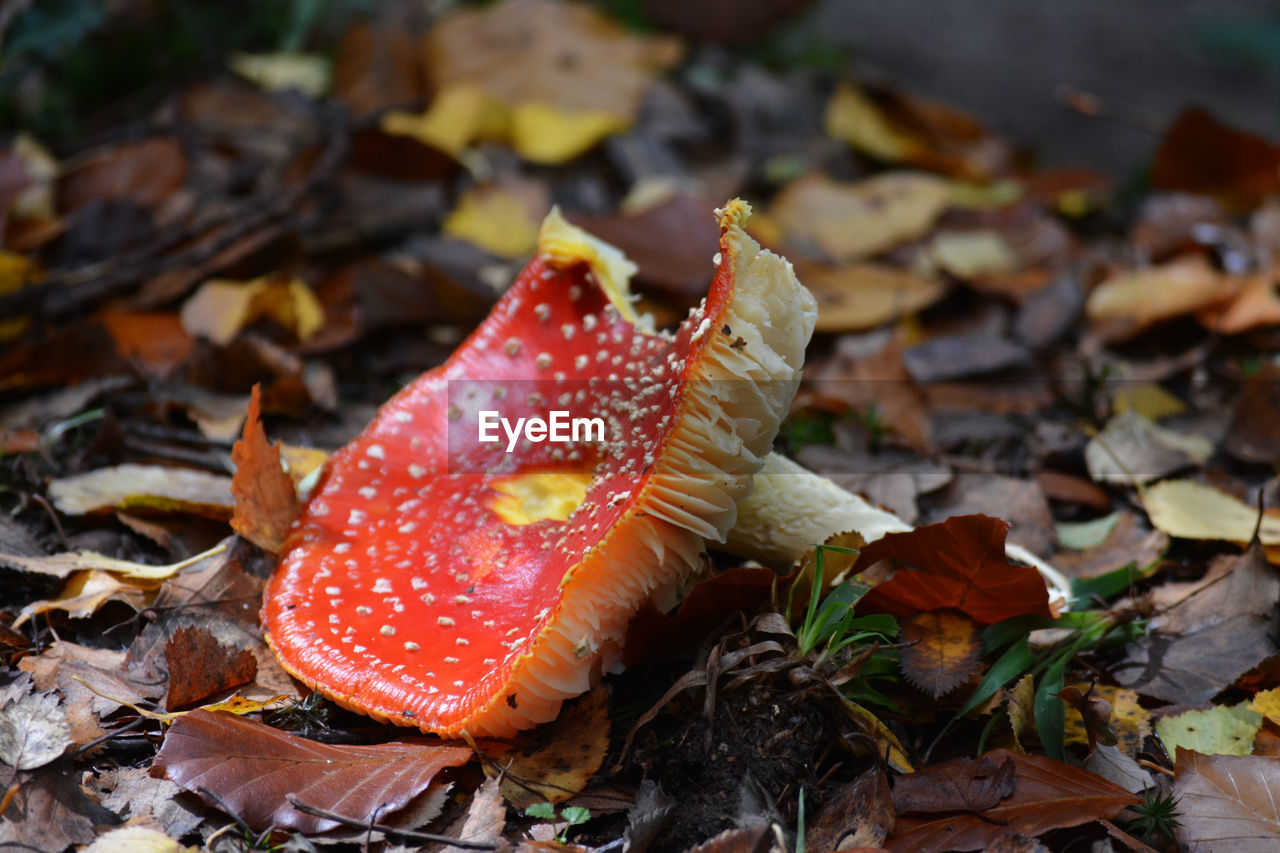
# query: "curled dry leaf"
{"type": "Point", "coordinates": [33, 730]}
{"type": "Point", "coordinates": [150, 487]}
{"type": "Point", "coordinates": [254, 770]}
{"type": "Point", "coordinates": [860, 296]}
{"type": "Point", "coordinates": [86, 591]}
{"type": "Point", "coordinates": [265, 500]}
{"type": "Point", "coordinates": [1132, 301]}
{"type": "Point", "coordinates": [1128, 720]}
{"type": "Point", "coordinates": [942, 651]}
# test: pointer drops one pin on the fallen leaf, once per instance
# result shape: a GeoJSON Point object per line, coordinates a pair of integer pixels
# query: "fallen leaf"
{"type": "Point", "coordinates": [1254, 434]}
{"type": "Point", "coordinates": [1267, 703]}
{"type": "Point", "coordinates": [1116, 766]}
{"type": "Point", "coordinates": [1128, 720]}
{"type": "Point", "coordinates": [548, 134]}
{"type": "Point", "coordinates": [285, 71]}
{"type": "Point", "coordinates": [854, 118]}
{"type": "Point", "coordinates": [145, 172]}
{"type": "Point", "coordinates": [495, 220]}
{"type": "Point", "coordinates": [137, 839]}
{"type": "Point", "coordinates": [972, 254]}
{"type": "Point", "coordinates": [132, 793]}
{"type": "Point", "coordinates": [377, 66]}
{"type": "Point", "coordinates": [860, 296]}
{"type": "Point", "coordinates": [845, 222]}
{"type": "Point", "coordinates": [51, 812]}
{"type": "Point", "coordinates": [1227, 802]}
{"type": "Point", "coordinates": [223, 307]}
{"type": "Point", "coordinates": [1257, 305]}
{"type": "Point", "coordinates": [961, 784]}
{"type": "Point", "coordinates": [1189, 510]}
{"type": "Point", "coordinates": [1092, 715]}
{"type": "Point", "coordinates": [944, 357]}
{"type": "Point", "coordinates": [1149, 399]}
{"type": "Point", "coordinates": [33, 730]}
{"type": "Point", "coordinates": [857, 815]}
{"type": "Point", "coordinates": [941, 650]}
{"type": "Point", "coordinates": [155, 341]}
{"type": "Point", "coordinates": [254, 770]}
{"type": "Point", "coordinates": [32, 196]}
{"type": "Point", "coordinates": [486, 817]}
{"type": "Point", "coordinates": [64, 565]}
{"type": "Point", "coordinates": [151, 487]}
{"type": "Point", "coordinates": [1200, 154]}
{"type": "Point", "coordinates": [200, 666]}
{"type": "Point", "coordinates": [1221, 730]}
{"type": "Point", "coordinates": [1047, 795]}
{"type": "Point", "coordinates": [1133, 449]}
{"type": "Point", "coordinates": [86, 591]}
{"type": "Point", "coordinates": [1018, 502]}
{"type": "Point", "coordinates": [1083, 535]}
{"type": "Point", "coordinates": [266, 502]}
{"type": "Point", "coordinates": [563, 757]}
{"type": "Point", "coordinates": [1132, 301]}
{"type": "Point", "coordinates": [959, 563]}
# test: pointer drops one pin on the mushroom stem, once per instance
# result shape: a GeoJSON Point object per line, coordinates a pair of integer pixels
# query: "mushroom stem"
{"type": "Point", "coordinates": [790, 508]}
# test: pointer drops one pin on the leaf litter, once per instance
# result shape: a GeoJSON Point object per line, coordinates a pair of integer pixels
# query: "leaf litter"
{"type": "Point", "coordinates": [257, 264]}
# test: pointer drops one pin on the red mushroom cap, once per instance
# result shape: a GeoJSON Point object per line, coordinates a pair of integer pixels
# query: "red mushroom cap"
{"type": "Point", "coordinates": [440, 582]}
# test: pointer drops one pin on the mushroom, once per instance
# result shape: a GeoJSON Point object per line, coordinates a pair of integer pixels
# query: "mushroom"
{"type": "Point", "coordinates": [439, 581]}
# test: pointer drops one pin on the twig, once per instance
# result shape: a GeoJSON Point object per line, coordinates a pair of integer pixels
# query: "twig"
{"type": "Point", "coordinates": [404, 834]}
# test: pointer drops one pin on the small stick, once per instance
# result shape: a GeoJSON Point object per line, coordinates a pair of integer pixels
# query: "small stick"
{"type": "Point", "coordinates": [407, 835]}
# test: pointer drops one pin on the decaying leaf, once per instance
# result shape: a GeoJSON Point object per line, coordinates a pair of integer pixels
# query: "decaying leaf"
{"type": "Point", "coordinates": [564, 756]}
{"type": "Point", "coordinates": [1221, 730]}
{"type": "Point", "coordinates": [1047, 794]}
{"type": "Point", "coordinates": [495, 220]}
{"type": "Point", "coordinates": [144, 487]}
{"type": "Point", "coordinates": [33, 730]}
{"type": "Point", "coordinates": [1267, 703]}
{"type": "Point", "coordinates": [1202, 155]}
{"type": "Point", "coordinates": [962, 784]}
{"type": "Point", "coordinates": [845, 222]}
{"type": "Point", "coordinates": [858, 815]}
{"type": "Point", "coordinates": [200, 666]}
{"type": "Point", "coordinates": [486, 816]}
{"type": "Point", "coordinates": [265, 500]}
{"type": "Point", "coordinates": [137, 839]}
{"type": "Point", "coordinates": [959, 563]}
{"type": "Point", "coordinates": [1133, 449]}
{"type": "Point", "coordinates": [222, 307]}
{"type": "Point", "coordinates": [941, 650]}
{"type": "Point", "coordinates": [255, 769]}
{"type": "Point", "coordinates": [1128, 721]}
{"type": "Point", "coordinates": [86, 591]}
{"type": "Point", "coordinates": [49, 811]}
{"type": "Point", "coordinates": [64, 565]}
{"type": "Point", "coordinates": [1227, 802]}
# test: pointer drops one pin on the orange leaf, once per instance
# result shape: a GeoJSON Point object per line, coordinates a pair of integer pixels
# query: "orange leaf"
{"type": "Point", "coordinates": [959, 563]}
{"type": "Point", "coordinates": [943, 651]}
{"type": "Point", "coordinates": [266, 503]}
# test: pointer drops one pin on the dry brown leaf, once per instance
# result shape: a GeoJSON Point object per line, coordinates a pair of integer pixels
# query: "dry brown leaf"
{"type": "Point", "coordinates": [33, 730]}
{"type": "Point", "coordinates": [1257, 305]}
{"type": "Point", "coordinates": [87, 591]}
{"type": "Point", "coordinates": [132, 793]}
{"type": "Point", "coordinates": [145, 487]}
{"type": "Point", "coordinates": [200, 667]}
{"type": "Point", "coordinates": [845, 222]}
{"type": "Point", "coordinates": [942, 651]}
{"type": "Point", "coordinates": [486, 817]}
{"type": "Point", "coordinates": [51, 812]}
{"type": "Point", "coordinates": [563, 757]}
{"type": "Point", "coordinates": [145, 172]}
{"type": "Point", "coordinates": [860, 296]}
{"type": "Point", "coordinates": [1227, 802]}
{"type": "Point", "coordinates": [265, 500]}
{"type": "Point", "coordinates": [1129, 721]}
{"type": "Point", "coordinates": [1132, 301]}
{"type": "Point", "coordinates": [961, 784]}
{"type": "Point", "coordinates": [255, 770]}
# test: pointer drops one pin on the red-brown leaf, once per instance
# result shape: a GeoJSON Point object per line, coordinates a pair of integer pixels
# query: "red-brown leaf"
{"type": "Point", "coordinates": [200, 666]}
{"type": "Point", "coordinates": [957, 563]}
{"type": "Point", "coordinates": [266, 502]}
{"type": "Point", "coordinates": [252, 769]}
{"type": "Point", "coordinates": [962, 784]}
{"type": "Point", "coordinates": [1047, 794]}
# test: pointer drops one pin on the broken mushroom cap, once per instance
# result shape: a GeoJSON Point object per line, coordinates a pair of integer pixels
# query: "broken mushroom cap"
{"type": "Point", "coordinates": [439, 581]}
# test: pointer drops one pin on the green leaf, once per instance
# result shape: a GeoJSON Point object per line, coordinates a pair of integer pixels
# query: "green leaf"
{"type": "Point", "coordinates": [1049, 709]}
{"type": "Point", "coordinates": [1017, 660]}
{"type": "Point", "coordinates": [1083, 535]}
{"type": "Point", "coordinates": [575, 815]}
{"type": "Point", "coordinates": [542, 811]}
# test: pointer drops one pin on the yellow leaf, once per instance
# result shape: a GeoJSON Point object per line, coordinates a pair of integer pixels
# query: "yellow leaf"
{"type": "Point", "coordinates": [494, 220]}
{"type": "Point", "coordinates": [1135, 300]}
{"type": "Point", "coordinates": [851, 117]}
{"type": "Point", "coordinates": [279, 72]}
{"type": "Point", "coordinates": [564, 757]}
{"type": "Point", "coordinates": [849, 221]}
{"type": "Point", "coordinates": [1267, 703]}
{"type": "Point", "coordinates": [155, 487]}
{"type": "Point", "coordinates": [1191, 510]}
{"type": "Point", "coordinates": [221, 307]}
{"type": "Point", "coordinates": [1020, 706]}
{"type": "Point", "coordinates": [1148, 399]}
{"type": "Point", "coordinates": [300, 462]}
{"type": "Point", "coordinates": [87, 591]}
{"type": "Point", "coordinates": [1129, 720]}
{"type": "Point", "coordinates": [888, 747]}
{"type": "Point", "coordinates": [941, 650]}
{"type": "Point", "coordinates": [1222, 730]}
{"type": "Point", "coordinates": [547, 134]}
{"type": "Point", "coordinates": [460, 114]}
{"type": "Point", "coordinates": [36, 201]}
{"type": "Point", "coordinates": [16, 271]}
{"type": "Point", "coordinates": [62, 565]}
{"type": "Point", "coordinates": [865, 295]}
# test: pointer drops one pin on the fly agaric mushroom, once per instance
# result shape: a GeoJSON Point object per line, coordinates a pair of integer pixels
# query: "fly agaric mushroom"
{"type": "Point", "coordinates": [437, 581]}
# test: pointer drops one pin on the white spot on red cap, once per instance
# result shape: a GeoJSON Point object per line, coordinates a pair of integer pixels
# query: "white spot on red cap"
{"type": "Point", "coordinates": [377, 451]}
